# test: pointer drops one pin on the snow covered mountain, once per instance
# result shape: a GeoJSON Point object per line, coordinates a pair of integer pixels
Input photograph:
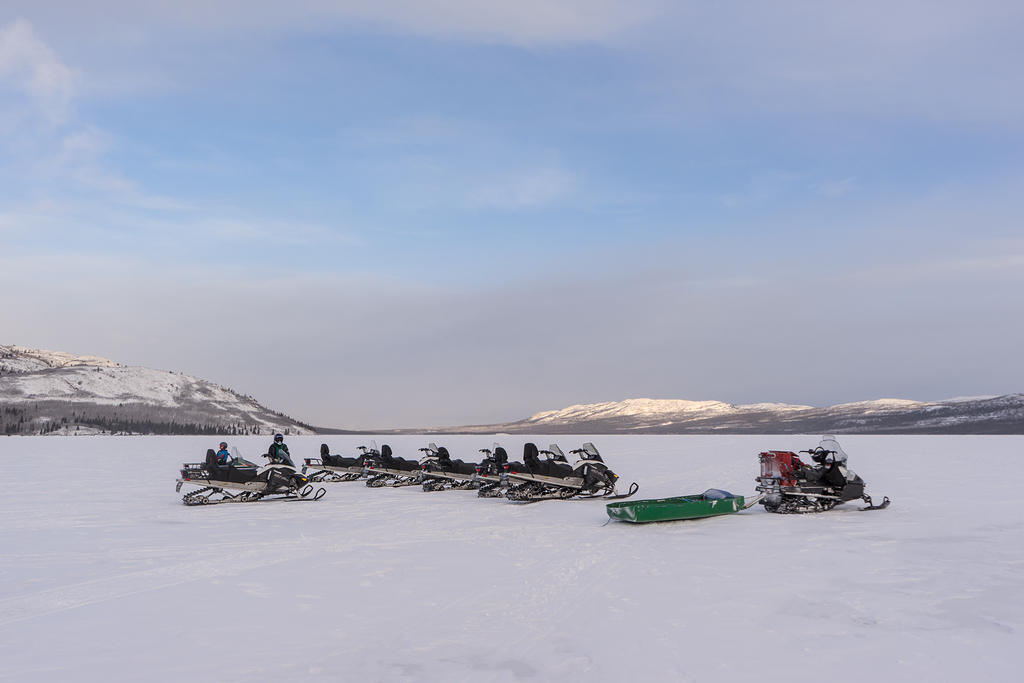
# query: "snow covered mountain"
{"type": "Point", "coordinates": [55, 392]}
{"type": "Point", "coordinates": [975, 415]}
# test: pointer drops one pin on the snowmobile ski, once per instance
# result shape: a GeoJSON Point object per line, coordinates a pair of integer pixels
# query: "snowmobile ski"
{"type": "Point", "coordinates": [633, 488]}
{"type": "Point", "coordinates": [871, 506]}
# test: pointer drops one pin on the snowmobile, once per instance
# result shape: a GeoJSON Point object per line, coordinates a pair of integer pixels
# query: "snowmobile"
{"type": "Point", "coordinates": [791, 486]}
{"type": "Point", "coordinates": [274, 481]}
{"type": "Point", "coordinates": [441, 473]}
{"type": "Point", "coordinates": [336, 467]}
{"type": "Point", "coordinates": [383, 469]}
{"type": "Point", "coordinates": [490, 473]}
{"type": "Point", "coordinates": [536, 479]}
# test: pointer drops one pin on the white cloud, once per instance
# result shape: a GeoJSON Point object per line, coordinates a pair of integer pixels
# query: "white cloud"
{"type": "Point", "coordinates": [932, 59]}
{"type": "Point", "coordinates": [29, 65]}
{"type": "Point", "coordinates": [66, 161]}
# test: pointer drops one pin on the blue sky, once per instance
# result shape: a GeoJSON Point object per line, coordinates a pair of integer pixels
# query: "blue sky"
{"type": "Point", "coordinates": [439, 212]}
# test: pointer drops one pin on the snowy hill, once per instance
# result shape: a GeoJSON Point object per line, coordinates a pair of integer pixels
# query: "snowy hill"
{"type": "Point", "coordinates": [50, 391]}
{"type": "Point", "coordinates": [973, 415]}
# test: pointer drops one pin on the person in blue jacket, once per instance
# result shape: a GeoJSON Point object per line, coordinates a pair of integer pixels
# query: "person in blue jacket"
{"type": "Point", "coordinates": [223, 455]}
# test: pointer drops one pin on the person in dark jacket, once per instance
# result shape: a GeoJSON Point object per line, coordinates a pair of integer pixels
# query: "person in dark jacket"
{"type": "Point", "coordinates": [278, 451]}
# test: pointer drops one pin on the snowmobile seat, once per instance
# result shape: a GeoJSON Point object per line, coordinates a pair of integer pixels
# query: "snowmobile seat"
{"type": "Point", "coordinates": [547, 468]}
{"type": "Point", "coordinates": [557, 469]}
{"type": "Point", "coordinates": [393, 463]}
{"type": "Point", "coordinates": [326, 457]}
{"type": "Point", "coordinates": [335, 460]}
{"type": "Point", "coordinates": [385, 458]}
{"type": "Point", "coordinates": [460, 467]}
{"type": "Point", "coordinates": [215, 468]}
{"type": "Point", "coordinates": [532, 460]}
{"type": "Point", "coordinates": [444, 459]}
{"type": "Point", "coordinates": [500, 456]}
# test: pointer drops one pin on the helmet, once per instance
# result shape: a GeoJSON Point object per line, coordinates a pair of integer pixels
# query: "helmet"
{"type": "Point", "coordinates": [278, 437]}
{"type": "Point", "coordinates": [223, 444]}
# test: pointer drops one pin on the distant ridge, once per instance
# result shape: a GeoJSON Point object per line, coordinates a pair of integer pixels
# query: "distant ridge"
{"type": "Point", "coordinates": [971, 415]}
{"type": "Point", "coordinates": [53, 392]}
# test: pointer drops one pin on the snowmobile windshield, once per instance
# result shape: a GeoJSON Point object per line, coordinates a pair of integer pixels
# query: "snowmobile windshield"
{"type": "Point", "coordinates": [590, 450]}
{"type": "Point", "coordinates": [432, 447]}
{"type": "Point", "coordinates": [829, 443]}
{"type": "Point", "coordinates": [238, 460]}
{"type": "Point", "coordinates": [556, 453]}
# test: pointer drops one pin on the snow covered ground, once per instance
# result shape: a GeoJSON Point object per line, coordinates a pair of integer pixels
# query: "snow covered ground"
{"type": "Point", "coordinates": [105, 575]}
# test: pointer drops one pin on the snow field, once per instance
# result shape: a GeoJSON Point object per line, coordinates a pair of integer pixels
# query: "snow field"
{"type": "Point", "coordinates": [105, 575]}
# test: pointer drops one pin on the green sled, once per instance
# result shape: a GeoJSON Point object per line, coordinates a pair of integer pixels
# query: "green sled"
{"type": "Point", "coordinates": [711, 503]}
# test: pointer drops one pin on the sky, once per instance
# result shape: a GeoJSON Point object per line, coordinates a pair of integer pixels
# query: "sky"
{"type": "Point", "coordinates": [442, 212]}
